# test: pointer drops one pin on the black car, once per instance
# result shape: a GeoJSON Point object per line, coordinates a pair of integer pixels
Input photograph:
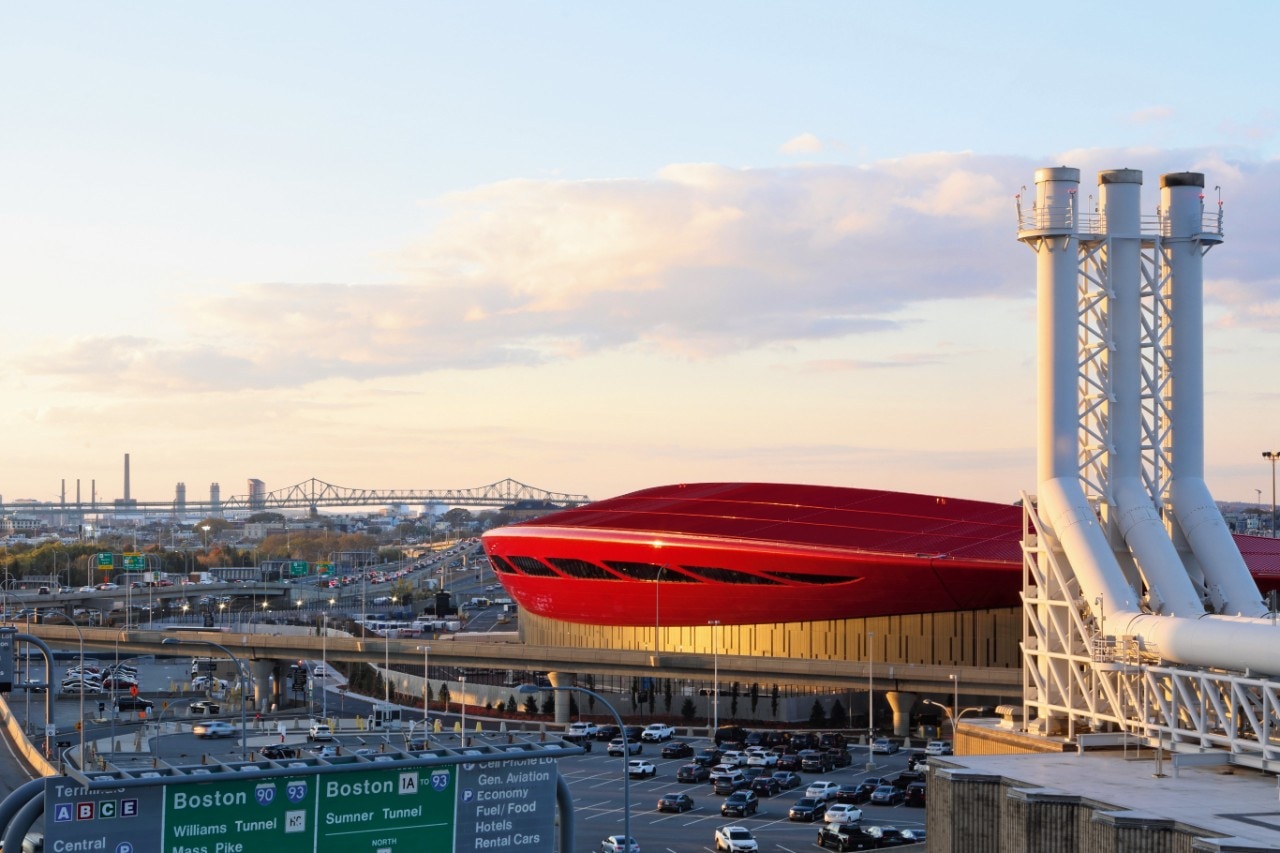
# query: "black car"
{"type": "Point", "coordinates": [753, 772]}
{"type": "Point", "coordinates": [677, 749]}
{"type": "Point", "coordinates": [708, 757]}
{"type": "Point", "coordinates": [133, 703]}
{"type": "Point", "coordinates": [787, 779]}
{"type": "Point", "coordinates": [634, 733]}
{"type": "Point", "coordinates": [802, 740]}
{"type": "Point", "coordinates": [278, 751]}
{"type": "Point", "coordinates": [845, 837]}
{"type": "Point", "coordinates": [808, 808]}
{"type": "Point", "coordinates": [829, 740]}
{"type": "Point", "coordinates": [608, 733]}
{"type": "Point", "coordinates": [766, 786]}
{"type": "Point", "coordinates": [693, 773]}
{"type": "Point", "coordinates": [754, 739]}
{"type": "Point", "coordinates": [916, 794]}
{"type": "Point", "coordinates": [788, 761]}
{"type": "Point", "coordinates": [906, 777]}
{"type": "Point", "coordinates": [730, 734]}
{"type": "Point", "coordinates": [839, 756]}
{"type": "Point", "coordinates": [740, 804]}
{"type": "Point", "coordinates": [852, 794]}
{"type": "Point", "coordinates": [675, 803]}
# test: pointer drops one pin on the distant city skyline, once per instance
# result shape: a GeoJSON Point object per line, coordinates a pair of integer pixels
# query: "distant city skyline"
{"type": "Point", "coordinates": [593, 248]}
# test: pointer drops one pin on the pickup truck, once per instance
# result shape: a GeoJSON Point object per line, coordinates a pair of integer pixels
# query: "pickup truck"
{"type": "Point", "coordinates": [584, 729]}
{"type": "Point", "coordinates": [656, 732]}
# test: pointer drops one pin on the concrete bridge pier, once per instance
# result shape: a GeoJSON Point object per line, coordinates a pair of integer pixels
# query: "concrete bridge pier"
{"type": "Point", "coordinates": [264, 685]}
{"type": "Point", "coordinates": [562, 679]}
{"type": "Point", "coordinates": [901, 703]}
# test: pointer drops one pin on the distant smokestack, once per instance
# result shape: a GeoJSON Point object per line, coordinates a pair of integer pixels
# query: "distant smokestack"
{"type": "Point", "coordinates": [77, 491]}
{"type": "Point", "coordinates": [126, 476]}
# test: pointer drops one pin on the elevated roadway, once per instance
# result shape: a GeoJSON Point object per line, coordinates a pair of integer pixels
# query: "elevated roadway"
{"type": "Point", "coordinates": [503, 652]}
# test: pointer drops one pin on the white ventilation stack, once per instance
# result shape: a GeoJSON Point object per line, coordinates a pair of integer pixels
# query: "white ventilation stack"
{"type": "Point", "coordinates": [1121, 421]}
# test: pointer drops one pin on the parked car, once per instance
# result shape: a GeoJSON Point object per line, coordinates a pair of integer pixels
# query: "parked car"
{"type": "Point", "coordinates": [839, 756]}
{"type": "Point", "coordinates": [640, 768]}
{"type": "Point", "coordinates": [766, 786]}
{"type": "Point", "coordinates": [657, 732]}
{"type": "Point", "coordinates": [763, 758]}
{"type": "Point", "coordinates": [728, 782]}
{"type": "Point", "coordinates": [808, 808]}
{"type": "Point", "coordinates": [213, 728]}
{"type": "Point", "coordinates": [730, 734]}
{"type": "Point", "coordinates": [632, 747]}
{"type": "Point", "coordinates": [813, 761]}
{"type": "Point", "coordinates": [734, 757]}
{"type": "Point", "coordinates": [844, 838]}
{"type": "Point", "coordinates": [676, 802]}
{"type": "Point", "coordinates": [583, 728]}
{"type": "Point", "coordinates": [843, 813]}
{"type": "Point", "coordinates": [937, 747]}
{"type": "Point", "coordinates": [889, 836]}
{"type": "Point", "coordinates": [887, 795]}
{"type": "Point", "coordinates": [735, 839]}
{"type": "Point", "coordinates": [787, 779]}
{"type": "Point", "coordinates": [319, 731]}
{"type": "Point", "coordinates": [693, 773]}
{"type": "Point", "coordinates": [788, 761]}
{"type": "Point", "coordinates": [619, 844]}
{"type": "Point", "coordinates": [740, 804]}
{"type": "Point", "coordinates": [708, 756]}
{"type": "Point", "coordinates": [906, 777]}
{"type": "Point", "coordinates": [823, 789]}
{"type": "Point", "coordinates": [916, 794]}
{"type": "Point", "coordinates": [607, 733]}
{"type": "Point", "coordinates": [278, 751]}
{"type": "Point", "coordinates": [677, 749]}
{"type": "Point", "coordinates": [326, 750]}
{"type": "Point", "coordinates": [884, 746]}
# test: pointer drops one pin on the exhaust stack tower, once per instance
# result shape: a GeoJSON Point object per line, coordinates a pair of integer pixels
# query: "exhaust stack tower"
{"type": "Point", "coordinates": [1129, 565]}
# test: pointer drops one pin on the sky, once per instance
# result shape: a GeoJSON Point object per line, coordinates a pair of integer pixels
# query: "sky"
{"type": "Point", "coordinates": [592, 247]}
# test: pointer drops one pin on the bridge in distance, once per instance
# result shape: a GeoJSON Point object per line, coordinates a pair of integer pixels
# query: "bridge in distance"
{"type": "Point", "coordinates": [309, 495]}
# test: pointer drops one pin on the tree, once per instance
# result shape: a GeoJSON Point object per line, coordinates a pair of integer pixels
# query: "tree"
{"type": "Point", "coordinates": [838, 713]}
{"type": "Point", "coordinates": [445, 696]}
{"type": "Point", "coordinates": [511, 704]}
{"type": "Point", "coordinates": [666, 694]}
{"type": "Point", "coordinates": [549, 704]}
{"type": "Point", "coordinates": [773, 702]}
{"type": "Point", "coordinates": [531, 706]}
{"type": "Point", "coordinates": [688, 710]}
{"type": "Point", "coordinates": [733, 701]}
{"type": "Point", "coordinates": [755, 697]}
{"type": "Point", "coordinates": [817, 716]}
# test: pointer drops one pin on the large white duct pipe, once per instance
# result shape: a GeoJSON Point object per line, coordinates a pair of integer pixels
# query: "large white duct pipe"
{"type": "Point", "coordinates": [1231, 587]}
{"type": "Point", "coordinates": [1169, 589]}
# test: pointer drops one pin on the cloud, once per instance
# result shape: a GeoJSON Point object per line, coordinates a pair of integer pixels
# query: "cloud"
{"type": "Point", "coordinates": [699, 261]}
{"type": "Point", "coordinates": [805, 143]}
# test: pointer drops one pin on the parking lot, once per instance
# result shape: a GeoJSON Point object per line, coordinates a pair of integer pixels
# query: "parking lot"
{"type": "Point", "coordinates": [596, 782]}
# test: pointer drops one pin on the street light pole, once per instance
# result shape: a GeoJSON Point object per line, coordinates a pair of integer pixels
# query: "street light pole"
{"type": "Point", "coordinates": [244, 692]}
{"type": "Point", "coordinates": [426, 685]}
{"type": "Point", "coordinates": [955, 683]}
{"type": "Point", "coordinates": [324, 665]}
{"type": "Point", "coordinates": [626, 752]}
{"type": "Point", "coordinates": [1272, 456]}
{"type": "Point", "coordinates": [462, 701]}
{"type": "Point", "coordinates": [871, 697]}
{"type": "Point", "coordinates": [715, 673]}
{"type": "Point", "coordinates": [50, 678]}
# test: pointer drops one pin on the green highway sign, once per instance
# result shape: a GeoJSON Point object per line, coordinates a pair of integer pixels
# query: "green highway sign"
{"type": "Point", "coordinates": [404, 808]}
{"type": "Point", "coordinates": [135, 562]}
{"type": "Point", "coordinates": [106, 561]}
{"type": "Point", "coordinates": [274, 815]}
{"type": "Point", "coordinates": [324, 568]}
{"type": "Point", "coordinates": [298, 568]}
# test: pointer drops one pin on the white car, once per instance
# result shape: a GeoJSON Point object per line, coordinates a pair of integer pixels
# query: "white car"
{"type": "Point", "coordinates": [937, 747]}
{"type": "Point", "coordinates": [204, 682]}
{"type": "Point", "coordinates": [618, 844]}
{"type": "Point", "coordinates": [843, 813]}
{"type": "Point", "coordinates": [734, 757]}
{"type": "Point", "coordinates": [639, 768]}
{"type": "Point", "coordinates": [822, 790]}
{"type": "Point", "coordinates": [213, 728]}
{"type": "Point", "coordinates": [735, 838]}
{"type": "Point", "coordinates": [320, 731]}
{"type": "Point", "coordinates": [762, 759]}
{"type": "Point", "coordinates": [884, 746]}
{"type": "Point", "coordinates": [657, 732]}
{"type": "Point", "coordinates": [584, 729]}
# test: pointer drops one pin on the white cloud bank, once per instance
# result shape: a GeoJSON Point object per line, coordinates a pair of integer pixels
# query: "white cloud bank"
{"type": "Point", "coordinates": [701, 260]}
